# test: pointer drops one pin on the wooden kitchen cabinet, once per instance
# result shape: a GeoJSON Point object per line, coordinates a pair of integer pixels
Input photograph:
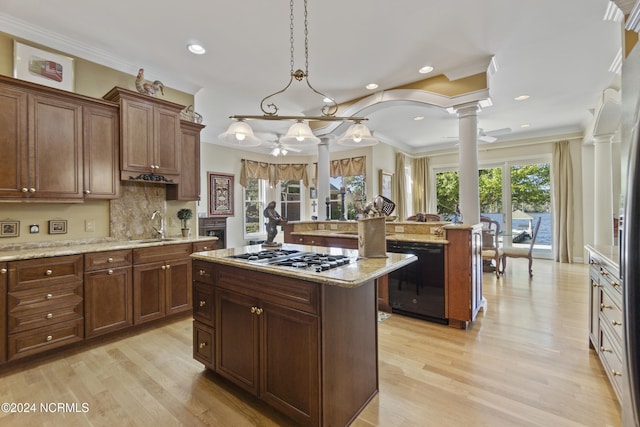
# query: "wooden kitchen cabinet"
{"type": "Point", "coordinates": [108, 292]}
{"type": "Point", "coordinates": [189, 186]}
{"type": "Point", "coordinates": [3, 311]}
{"type": "Point", "coordinates": [39, 125]}
{"type": "Point", "coordinates": [161, 281]}
{"type": "Point", "coordinates": [44, 304]}
{"type": "Point", "coordinates": [101, 152]}
{"type": "Point", "coordinates": [150, 137]}
{"type": "Point", "coordinates": [463, 266]}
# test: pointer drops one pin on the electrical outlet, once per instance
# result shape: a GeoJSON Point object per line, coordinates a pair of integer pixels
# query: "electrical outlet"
{"type": "Point", "coordinates": [333, 226]}
{"type": "Point", "coordinates": [398, 228]}
{"type": "Point", "coordinates": [89, 226]}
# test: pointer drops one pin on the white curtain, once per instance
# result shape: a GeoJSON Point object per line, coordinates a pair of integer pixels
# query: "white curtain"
{"type": "Point", "coordinates": [401, 186]}
{"type": "Point", "coordinates": [563, 200]}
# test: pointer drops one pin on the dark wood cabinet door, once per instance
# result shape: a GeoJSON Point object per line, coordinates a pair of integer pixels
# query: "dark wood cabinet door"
{"type": "Point", "coordinates": [136, 136]}
{"type": "Point", "coordinates": [178, 286]}
{"type": "Point", "coordinates": [101, 152]}
{"type": "Point", "coordinates": [203, 342]}
{"type": "Point", "coordinates": [289, 362]}
{"type": "Point", "coordinates": [148, 292]}
{"type": "Point", "coordinates": [203, 303]}
{"type": "Point", "coordinates": [55, 145]}
{"type": "Point", "coordinates": [167, 141]}
{"type": "Point", "coordinates": [108, 300]}
{"type": "Point", "coordinates": [237, 339]}
{"type": "Point", "coordinates": [189, 186]}
{"type": "Point", "coordinates": [13, 142]}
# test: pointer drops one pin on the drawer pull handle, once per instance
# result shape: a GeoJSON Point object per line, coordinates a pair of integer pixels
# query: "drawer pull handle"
{"type": "Point", "coordinates": [603, 306]}
{"type": "Point", "coordinates": [110, 272]}
{"type": "Point", "coordinates": [32, 190]}
{"type": "Point", "coordinates": [616, 373]}
{"type": "Point", "coordinates": [202, 345]}
{"type": "Point", "coordinates": [253, 309]}
{"type": "Point", "coordinates": [49, 296]}
{"type": "Point", "coordinates": [48, 272]}
{"type": "Point", "coordinates": [607, 350]}
{"type": "Point", "coordinates": [604, 273]}
{"type": "Point", "coordinates": [168, 266]}
{"type": "Point", "coordinates": [202, 272]}
{"type": "Point", "coordinates": [616, 323]}
{"type": "Point", "coordinates": [595, 285]}
{"type": "Point", "coordinates": [48, 338]}
{"type": "Point", "coordinates": [49, 315]}
{"type": "Point", "coordinates": [205, 248]}
{"type": "Point", "coordinates": [24, 189]}
{"type": "Point", "coordinates": [258, 311]}
{"type": "Point", "coordinates": [203, 303]}
{"type": "Point", "coordinates": [164, 267]}
{"type": "Point", "coordinates": [615, 284]}
{"type": "Point", "coordinates": [109, 259]}
{"type": "Point", "coordinates": [3, 271]}
{"type": "Point", "coordinates": [87, 191]}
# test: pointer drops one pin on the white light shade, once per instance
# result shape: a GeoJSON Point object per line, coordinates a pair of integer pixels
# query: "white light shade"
{"type": "Point", "coordinates": [358, 135]}
{"type": "Point", "coordinates": [300, 133]}
{"type": "Point", "coordinates": [240, 133]}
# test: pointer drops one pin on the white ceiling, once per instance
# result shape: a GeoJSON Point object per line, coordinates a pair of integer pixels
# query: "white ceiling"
{"type": "Point", "coordinates": [557, 52]}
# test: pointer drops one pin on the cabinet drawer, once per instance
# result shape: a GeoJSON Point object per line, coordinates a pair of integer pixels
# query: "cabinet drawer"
{"type": "Point", "coordinates": [610, 355]}
{"type": "Point", "coordinates": [203, 272]}
{"type": "Point", "coordinates": [203, 341]}
{"type": "Point", "coordinates": [276, 289]}
{"type": "Point", "coordinates": [203, 304]}
{"type": "Point", "coordinates": [20, 320]}
{"type": "Point", "coordinates": [42, 339]}
{"type": "Point", "coordinates": [161, 253]}
{"type": "Point", "coordinates": [209, 245]}
{"type": "Point", "coordinates": [611, 314]}
{"type": "Point", "coordinates": [104, 260]}
{"type": "Point", "coordinates": [44, 297]}
{"type": "Point", "coordinates": [41, 272]}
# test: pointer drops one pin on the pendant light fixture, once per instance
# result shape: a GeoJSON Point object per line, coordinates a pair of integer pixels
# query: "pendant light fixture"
{"type": "Point", "coordinates": [358, 135]}
{"type": "Point", "coordinates": [300, 132]}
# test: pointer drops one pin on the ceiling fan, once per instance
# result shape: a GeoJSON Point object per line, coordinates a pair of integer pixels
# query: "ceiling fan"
{"type": "Point", "coordinates": [277, 148]}
{"type": "Point", "coordinates": [491, 136]}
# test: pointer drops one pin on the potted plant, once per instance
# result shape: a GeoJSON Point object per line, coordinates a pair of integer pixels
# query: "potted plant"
{"type": "Point", "coordinates": [185, 215]}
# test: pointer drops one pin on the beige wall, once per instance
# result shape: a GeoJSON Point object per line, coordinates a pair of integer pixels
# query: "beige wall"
{"type": "Point", "coordinates": [93, 80]}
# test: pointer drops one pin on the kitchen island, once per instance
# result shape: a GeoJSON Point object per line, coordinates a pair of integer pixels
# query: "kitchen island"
{"type": "Point", "coordinates": [303, 341]}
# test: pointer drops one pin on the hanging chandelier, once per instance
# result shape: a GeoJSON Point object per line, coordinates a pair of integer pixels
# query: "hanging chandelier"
{"type": "Point", "coordinates": [240, 133]}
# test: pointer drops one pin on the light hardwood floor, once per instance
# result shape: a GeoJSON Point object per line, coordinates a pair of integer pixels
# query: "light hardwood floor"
{"type": "Point", "coordinates": [525, 362]}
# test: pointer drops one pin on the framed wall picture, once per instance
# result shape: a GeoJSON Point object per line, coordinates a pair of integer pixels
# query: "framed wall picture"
{"type": "Point", "coordinates": [220, 194]}
{"type": "Point", "coordinates": [385, 181]}
{"type": "Point", "coordinates": [58, 226]}
{"type": "Point", "coordinates": [9, 228]}
{"type": "Point", "coordinates": [43, 67]}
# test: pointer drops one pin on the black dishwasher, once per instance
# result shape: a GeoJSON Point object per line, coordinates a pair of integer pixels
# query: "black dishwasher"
{"type": "Point", "coordinates": [417, 290]}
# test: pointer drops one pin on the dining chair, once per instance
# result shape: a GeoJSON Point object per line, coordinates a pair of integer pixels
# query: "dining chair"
{"type": "Point", "coordinates": [522, 252]}
{"type": "Point", "coordinates": [425, 217]}
{"type": "Point", "coordinates": [490, 242]}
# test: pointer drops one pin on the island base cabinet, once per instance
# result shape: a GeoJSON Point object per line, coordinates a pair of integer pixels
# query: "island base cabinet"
{"type": "Point", "coordinates": [203, 344]}
{"type": "Point", "coordinates": [271, 351]}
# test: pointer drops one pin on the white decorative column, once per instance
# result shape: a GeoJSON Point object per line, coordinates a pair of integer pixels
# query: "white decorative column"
{"type": "Point", "coordinates": [323, 184]}
{"type": "Point", "coordinates": [468, 159]}
{"type": "Point", "coordinates": [603, 191]}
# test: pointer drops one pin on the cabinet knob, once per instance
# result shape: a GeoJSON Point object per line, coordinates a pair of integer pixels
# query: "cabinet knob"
{"type": "Point", "coordinates": [206, 248]}
{"type": "Point", "coordinates": [168, 266]}
{"type": "Point", "coordinates": [603, 306]}
{"type": "Point", "coordinates": [616, 373]}
{"type": "Point", "coordinates": [87, 191]}
{"type": "Point", "coordinates": [164, 267]}
{"type": "Point", "coordinates": [608, 350]}
{"type": "Point", "coordinates": [202, 345]}
{"type": "Point", "coordinates": [32, 190]}
{"type": "Point", "coordinates": [48, 338]}
{"type": "Point", "coordinates": [615, 284]}
{"type": "Point", "coordinates": [49, 315]}
{"type": "Point", "coordinates": [24, 189]}
{"type": "Point", "coordinates": [203, 303]}
{"type": "Point", "coordinates": [616, 323]}
{"type": "Point", "coordinates": [202, 272]}
{"type": "Point", "coordinates": [109, 259]}
{"type": "Point", "coordinates": [253, 309]}
{"type": "Point", "coordinates": [3, 271]}
{"type": "Point", "coordinates": [300, 240]}
{"type": "Point", "coordinates": [110, 272]}
{"type": "Point", "coordinates": [48, 272]}
{"type": "Point", "coordinates": [595, 285]}
{"type": "Point", "coordinates": [49, 296]}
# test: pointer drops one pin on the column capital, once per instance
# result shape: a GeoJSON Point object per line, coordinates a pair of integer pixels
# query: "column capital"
{"type": "Point", "coordinates": [603, 138]}
{"type": "Point", "coordinates": [467, 109]}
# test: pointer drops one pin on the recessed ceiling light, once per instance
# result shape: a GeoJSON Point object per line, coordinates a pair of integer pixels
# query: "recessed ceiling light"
{"type": "Point", "coordinates": [196, 48]}
{"type": "Point", "coordinates": [371, 86]}
{"type": "Point", "coordinates": [521, 97]}
{"type": "Point", "coordinates": [418, 118]}
{"type": "Point", "coordinates": [526, 125]}
{"type": "Point", "coordinates": [426, 69]}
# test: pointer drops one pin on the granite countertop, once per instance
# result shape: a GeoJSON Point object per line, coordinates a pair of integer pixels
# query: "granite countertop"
{"type": "Point", "coordinates": [401, 237]}
{"type": "Point", "coordinates": [34, 250]}
{"type": "Point", "coordinates": [352, 275]}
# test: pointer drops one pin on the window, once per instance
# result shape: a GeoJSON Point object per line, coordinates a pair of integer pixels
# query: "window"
{"type": "Point", "coordinates": [254, 202]}
{"type": "Point", "coordinates": [355, 197]}
{"type": "Point", "coordinates": [291, 200]}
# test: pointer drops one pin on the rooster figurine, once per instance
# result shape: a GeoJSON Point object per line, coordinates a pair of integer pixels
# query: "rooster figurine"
{"type": "Point", "coordinates": [146, 87]}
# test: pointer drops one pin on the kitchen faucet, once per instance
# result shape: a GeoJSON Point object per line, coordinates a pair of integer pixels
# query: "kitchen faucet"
{"type": "Point", "coordinates": [159, 231]}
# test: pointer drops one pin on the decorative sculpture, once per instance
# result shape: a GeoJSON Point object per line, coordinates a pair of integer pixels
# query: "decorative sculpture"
{"type": "Point", "coordinates": [146, 87]}
{"type": "Point", "coordinates": [274, 220]}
